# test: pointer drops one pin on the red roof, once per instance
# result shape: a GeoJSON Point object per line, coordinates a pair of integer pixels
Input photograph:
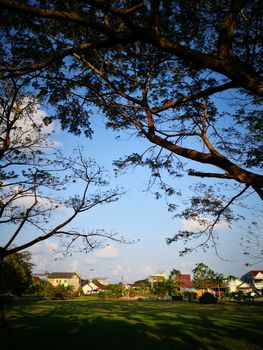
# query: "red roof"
{"type": "Point", "coordinates": [255, 272]}
{"type": "Point", "coordinates": [184, 281]}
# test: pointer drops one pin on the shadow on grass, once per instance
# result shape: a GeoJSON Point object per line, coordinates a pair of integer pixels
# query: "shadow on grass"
{"type": "Point", "coordinates": [132, 325]}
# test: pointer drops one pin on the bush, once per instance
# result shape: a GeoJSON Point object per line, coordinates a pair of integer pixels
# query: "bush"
{"type": "Point", "coordinates": [190, 295]}
{"type": "Point", "coordinates": [207, 298]}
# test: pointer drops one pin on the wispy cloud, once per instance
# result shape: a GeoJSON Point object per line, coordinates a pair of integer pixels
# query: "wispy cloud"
{"type": "Point", "coordinates": [192, 225]}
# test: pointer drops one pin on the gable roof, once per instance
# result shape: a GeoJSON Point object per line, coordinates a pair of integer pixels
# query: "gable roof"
{"type": "Point", "coordinates": [244, 285]}
{"type": "Point", "coordinates": [54, 275]}
{"type": "Point", "coordinates": [91, 283]}
{"type": "Point", "coordinates": [255, 272]}
{"type": "Point", "coordinates": [184, 280]}
{"type": "Point", "coordinates": [99, 285]}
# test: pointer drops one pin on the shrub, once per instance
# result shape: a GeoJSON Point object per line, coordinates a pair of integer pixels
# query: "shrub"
{"type": "Point", "coordinates": [190, 295]}
{"type": "Point", "coordinates": [207, 298]}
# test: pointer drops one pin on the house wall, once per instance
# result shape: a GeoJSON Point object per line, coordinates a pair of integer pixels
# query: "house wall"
{"type": "Point", "coordinates": [74, 282]}
{"type": "Point", "coordinates": [256, 280]}
{"type": "Point", "coordinates": [232, 285]}
{"type": "Point", "coordinates": [86, 289]}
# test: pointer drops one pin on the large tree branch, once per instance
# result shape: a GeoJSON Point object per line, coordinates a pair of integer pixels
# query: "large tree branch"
{"type": "Point", "coordinates": [193, 97]}
{"type": "Point", "coordinates": [213, 158]}
{"type": "Point", "coordinates": [56, 56]}
{"type": "Point", "coordinates": [226, 33]}
{"type": "Point", "coordinates": [55, 14]}
{"type": "Point", "coordinates": [240, 73]}
{"type": "Point", "coordinates": [213, 175]}
{"type": "Point", "coordinates": [115, 10]}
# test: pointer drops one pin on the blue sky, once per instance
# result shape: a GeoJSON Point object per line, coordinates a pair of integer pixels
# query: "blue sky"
{"type": "Point", "coordinates": [137, 215]}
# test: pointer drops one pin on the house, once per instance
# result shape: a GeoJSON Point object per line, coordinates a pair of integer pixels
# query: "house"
{"type": "Point", "coordinates": [254, 278]}
{"type": "Point", "coordinates": [66, 279]}
{"type": "Point", "coordinates": [158, 277]}
{"type": "Point", "coordinates": [184, 282]}
{"type": "Point", "coordinates": [235, 285]}
{"type": "Point", "coordinates": [92, 286]}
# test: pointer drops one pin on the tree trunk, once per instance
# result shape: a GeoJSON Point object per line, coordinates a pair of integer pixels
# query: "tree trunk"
{"type": "Point", "coordinates": [3, 323]}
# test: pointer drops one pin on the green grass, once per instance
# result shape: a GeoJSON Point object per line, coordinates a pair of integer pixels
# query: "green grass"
{"type": "Point", "coordinates": [94, 324]}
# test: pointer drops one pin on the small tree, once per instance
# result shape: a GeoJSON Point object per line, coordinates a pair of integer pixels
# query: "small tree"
{"type": "Point", "coordinates": [202, 276]}
{"type": "Point", "coordinates": [16, 274]}
{"type": "Point", "coordinates": [116, 290]}
{"type": "Point", "coordinates": [207, 298]}
{"type": "Point", "coordinates": [164, 288]}
{"type": "Point", "coordinates": [218, 279]}
{"type": "Point", "coordinates": [174, 274]}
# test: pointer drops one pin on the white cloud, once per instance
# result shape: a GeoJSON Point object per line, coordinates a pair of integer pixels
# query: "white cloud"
{"type": "Point", "coordinates": [192, 225]}
{"type": "Point", "coordinates": [44, 256]}
{"type": "Point", "coordinates": [31, 113]}
{"type": "Point", "coordinates": [108, 252]}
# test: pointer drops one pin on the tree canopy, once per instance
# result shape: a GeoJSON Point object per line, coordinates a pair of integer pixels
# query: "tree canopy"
{"type": "Point", "coordinates": [15, 274]}
{"type": "Point", "coordinates": [37, 181]}
{"type": "Point", "coordinates": [184, 75]}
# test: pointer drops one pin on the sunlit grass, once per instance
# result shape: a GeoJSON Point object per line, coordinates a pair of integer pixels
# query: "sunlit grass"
{"type": "Point", "coordinates": [133, 325]}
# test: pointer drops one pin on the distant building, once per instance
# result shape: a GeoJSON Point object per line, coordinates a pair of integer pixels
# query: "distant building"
{"type": "Point", "coordinates": [66, 279]}
{"type": "Point", "coordinates": [92, 286]}
{"type": "Point", "coordinates": [184, 282]}
{"type": "Point", "coordinates": [102, 280]}
{"type": "Point", "coordinates": [254, 278]}
{"type": "Point", "coordinates": [158, 277]}
{"type": "Point", "coordinates": [233, 285]}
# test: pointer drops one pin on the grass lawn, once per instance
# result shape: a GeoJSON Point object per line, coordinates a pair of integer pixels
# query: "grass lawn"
{"type": "Point", "coordinates": [94, 324]}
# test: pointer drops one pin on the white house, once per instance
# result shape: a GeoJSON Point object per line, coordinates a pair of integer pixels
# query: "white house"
{"type": "Point", "coordinates": [235, 285]}
{"type": "Point", "coordinates": [158, 277]}
{"type": "Point", "coordinates": [93, 286]}
{"type": "Point", "coordinates": [254, 278]}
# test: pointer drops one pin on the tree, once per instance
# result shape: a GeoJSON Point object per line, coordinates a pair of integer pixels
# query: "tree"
{"type": "Point", "coordinates": [164, 288]}
{"type": "Point", "coordinates": [160, 69]}
{"type": "Point", "coordinates": [202, 276]}
{"type": "Point", "coordinates": [116, 290]}
{"type": "Point", "coordinates": [174, 274]}
{"type": "Point", "coordinates": [16, 274]}
{"type": "Point", "coordinates": [37, 181]}
{"type": "Point", "coordinates": [218, 279]}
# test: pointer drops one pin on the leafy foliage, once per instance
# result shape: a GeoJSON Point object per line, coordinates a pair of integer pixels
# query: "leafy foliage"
{"type": "Point", "coordinates": [204, 277]}
{"type": "Point", "coordinates": [184, 75]}
{"type": "Point", "coordinates": [45, 289]}
{"type": "Point", "coordinates": [207, 298]}
{"type": "Point", "coordinates": [15, 274]}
